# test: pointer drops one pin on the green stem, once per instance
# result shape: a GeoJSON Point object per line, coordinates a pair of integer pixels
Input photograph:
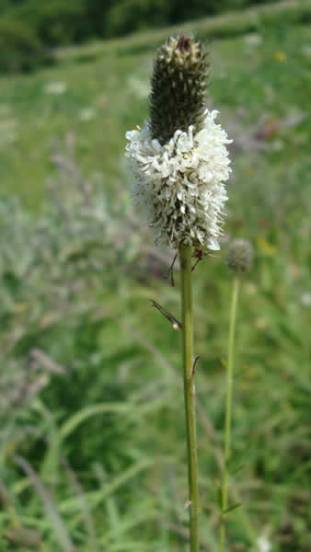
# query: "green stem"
{"type": "Point", "coordinates": [185, 253]}
{"type": "Point", "coordinates": [228, 415]}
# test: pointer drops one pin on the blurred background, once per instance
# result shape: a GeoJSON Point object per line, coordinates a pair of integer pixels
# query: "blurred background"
{"type": "Point", "coordinates": [91, 412]}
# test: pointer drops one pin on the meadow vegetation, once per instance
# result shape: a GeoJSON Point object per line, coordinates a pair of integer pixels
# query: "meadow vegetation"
{"type": "Point", "coordinates": [57, 23]}
{"type": "Point", "coordinates": [92, 429]}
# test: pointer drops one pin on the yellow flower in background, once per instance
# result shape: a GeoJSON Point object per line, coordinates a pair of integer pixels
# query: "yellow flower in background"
{"type": "Point", "coordinates": [280, 56]}
{"type": "Point", "coordinates": [266, 248]}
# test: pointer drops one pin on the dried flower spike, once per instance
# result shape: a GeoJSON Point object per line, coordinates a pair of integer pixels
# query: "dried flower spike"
{"type": "Point", "coordinates": [179, 158]}
{"type": "Point", "coordinates": [240, 255]}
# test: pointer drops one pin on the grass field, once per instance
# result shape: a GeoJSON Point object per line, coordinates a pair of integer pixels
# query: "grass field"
{"type": "Point", "coordinates": [95, 457]}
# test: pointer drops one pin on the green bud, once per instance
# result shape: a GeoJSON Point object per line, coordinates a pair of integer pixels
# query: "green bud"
{"type": "Point", "coordinates": [178, 95]}
{"type": "Point", "coordinates": [240, 255]}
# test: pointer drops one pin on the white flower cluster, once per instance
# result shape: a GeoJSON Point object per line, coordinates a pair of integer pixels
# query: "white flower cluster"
{"type": "Point", "coordinates": [181, 183]}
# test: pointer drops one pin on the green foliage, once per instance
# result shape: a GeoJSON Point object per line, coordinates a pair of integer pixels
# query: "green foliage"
{"type": "Point", "coordinates": [20, 48]}
{"type": "Point", "coordinates": [127, 16]}
{"type": "Point", "coordinates": [199, 8]}
{"type": "Point", "coordinates": [56, 22]}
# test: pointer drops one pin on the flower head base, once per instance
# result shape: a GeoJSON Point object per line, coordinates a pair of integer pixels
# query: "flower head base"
{"type": "Point", "coordinates": [181, 183]}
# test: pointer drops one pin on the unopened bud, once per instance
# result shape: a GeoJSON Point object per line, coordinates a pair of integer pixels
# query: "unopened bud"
{"type": "Point", "coordinates": [240, 255]}
{"type": "Point", "coordinates": [178, 88]}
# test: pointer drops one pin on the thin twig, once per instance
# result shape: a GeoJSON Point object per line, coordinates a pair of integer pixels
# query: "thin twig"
{"type": "Point", "coordinates": [168, 315]}
{"type": "Point", "coordinates": [61, 532]}
{"type": "Point", "coordinates": [171, 271]}
{"type": "Point", "coordinates": [228, 415]}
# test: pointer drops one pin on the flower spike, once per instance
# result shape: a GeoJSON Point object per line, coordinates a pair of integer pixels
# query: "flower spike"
{"type": "Point", "coordinates": [179, 158]}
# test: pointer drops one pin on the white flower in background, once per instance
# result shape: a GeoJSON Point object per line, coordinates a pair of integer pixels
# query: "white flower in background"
{"type": "Point", "coordinates": [182, 183]}
{"type": "Point", "coordinates": [138, 87]}
{"type": "Point", "coordinates": [87, 114]}
{"type": "Point", "coordinates": [263, 544]}
{"type": "Point", "coordinates": [305, 299]}
{"type": "Point", "coordinates": [253, 39]}
{"type": "Point", "coordinates": [55, 88]}
{"type": "Point", "coordinates": [8, 131]}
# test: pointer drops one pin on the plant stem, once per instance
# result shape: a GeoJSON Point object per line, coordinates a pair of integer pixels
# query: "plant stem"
{"type": "Point", "coordinates": [228, 415]}
{"type": "Point", "coordinates": [185, 253]}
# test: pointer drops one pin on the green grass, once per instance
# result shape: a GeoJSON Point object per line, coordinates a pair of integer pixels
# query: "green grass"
{"type": "Point", "coordinates": [107, 439]}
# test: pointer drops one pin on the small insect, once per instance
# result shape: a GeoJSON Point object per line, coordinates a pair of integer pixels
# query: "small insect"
{"type": "Point", "coordinates": [198, 255]}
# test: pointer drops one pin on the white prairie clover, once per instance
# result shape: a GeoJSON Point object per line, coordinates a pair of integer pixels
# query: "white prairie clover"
{"type": "Point", "coordinates": [180, 162]}
{"type": "Point", "coordinates": [179, 158]}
